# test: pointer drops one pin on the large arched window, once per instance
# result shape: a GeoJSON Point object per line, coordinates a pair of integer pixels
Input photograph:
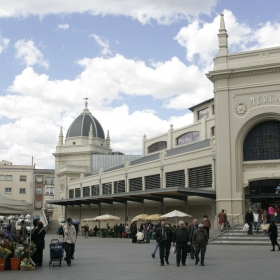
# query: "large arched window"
{"type": "Point", "coordinates": [262, 142]}
{"type": "Point", "coordinates": [161, 145]}
{"type": "Point", "coordinates": [188, 138]}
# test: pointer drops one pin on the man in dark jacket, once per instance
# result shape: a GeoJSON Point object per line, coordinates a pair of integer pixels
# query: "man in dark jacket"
{"type": "Point", "coordinates": [181, 237]}
{"type": "Point", "coordinates": [163, 237]}
{"type": "Point", "coordinates": [200, 240]}
{"type": "Point", "coordinates": [249, 218]}
{"type": "Point", "coordinates": [192, 229]}
{"type": "Point", "coordinates": [120, 229]}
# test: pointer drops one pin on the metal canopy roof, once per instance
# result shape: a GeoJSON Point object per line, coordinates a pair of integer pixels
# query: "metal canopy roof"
{"type": "Point", "coordinates": [138, 196]}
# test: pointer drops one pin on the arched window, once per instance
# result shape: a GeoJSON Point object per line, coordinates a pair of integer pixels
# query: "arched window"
{"type": "Point", "coordinates": [161, 145]}
{"type": "Point", "coordinates": [262, 142]}
{"type": "Point", "coordinates": [188, 138]}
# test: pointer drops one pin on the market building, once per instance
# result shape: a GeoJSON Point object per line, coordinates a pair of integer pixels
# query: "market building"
{"type": "Point", "coordinates": [229, 158]}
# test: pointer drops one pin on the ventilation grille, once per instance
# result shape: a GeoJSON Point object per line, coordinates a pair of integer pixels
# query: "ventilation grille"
{"type": "Point", "coordinates": [77, 192]}
{"type": "Point", "coordinates": [95, 190]}
{"type": "Point", "coordinates": [152, 182]}
{"type": "Point", "coordinates": [135, 184]}
{"type": "Point", "coordinates": [119, 186]}
{"type": "Point", "coordinates": [86, 191]}
{"type": "Point", "coordinates": [175, 179]}
{"type": "Point", "coordinates": [107, 188]}
{"type": "Point", "coordinates": [200, 177]}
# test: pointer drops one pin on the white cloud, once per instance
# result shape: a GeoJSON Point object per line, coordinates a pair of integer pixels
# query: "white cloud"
{"type": "Point", "coordinates": [163, 11]}
{"type": "Point", "coordinates": [63, 26]}
{"type": "Point", "coordinates": [29, 54]}
{"type": "Point", "coordinates": [103, 43]}
{"type": "Point", "coordinates": [198, 39]}
{"type": "Point", "coordinates": [4, 42]}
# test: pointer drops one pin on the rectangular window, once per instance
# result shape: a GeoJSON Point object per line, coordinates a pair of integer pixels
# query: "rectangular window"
{"type": "Point", "coordinates": [107, 188]}
{"type": "Point", "coordinates": [48, 181]}
{"type": "Point", "coordinates": [38, 191]}
{"type": "Point", "coordinates": [202, 113]}
{"type": "Point", "coordinates": [119, 186]}
{"type": "Point", "coordinates": [200, 177]}
{"type": "Point", "coordinates": [71, 193]}
{"type": "Point", "coordinates": [152, 182]}
{"type": "Point", "coordinates": [9, 177]}
{"type": "Point", "coordinates": [39, 179]}
{"type": "Point", "coordinates": [49, 190]}
{"type": "Point", "coordinates": [78, 192]}
{"type": "Point", "coordinates": [22, 178]}
{"type": "Point", "coordinates": [213, 131]}
{"type": "Point", "coordinates": [175, 179]}
{"type": "Point", "coordinates": [8, 190]}
{"type": "Point", "coordinates": [22, 190]}
{"type": "Point", "coordinates": [135, 184]}
{"type": "Point", "coordinates": [38, 204]}
{"type": "Point", "coordinates": [95, 190]}
{"type": "Point", "coordinates": [86, 191]}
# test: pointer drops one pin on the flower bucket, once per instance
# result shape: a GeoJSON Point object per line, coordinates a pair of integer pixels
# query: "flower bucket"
{"type": "Point", "coordinates": [15, 263]}
{"type": "Point", "coordinates": [2, 264]}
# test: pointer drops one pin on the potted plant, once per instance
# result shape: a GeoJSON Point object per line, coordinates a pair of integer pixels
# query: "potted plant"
{"type": "Point", "coordinates": [15, 260]}
{"type": "Point", "coordinates": [4, 253]}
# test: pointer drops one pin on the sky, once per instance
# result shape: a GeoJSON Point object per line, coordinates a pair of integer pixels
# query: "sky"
{"type": "Point", "coordinates": [142, 64]}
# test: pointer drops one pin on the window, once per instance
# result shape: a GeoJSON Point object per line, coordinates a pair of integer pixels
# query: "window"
{"type": "Point", "coordinates": [175, 179]}
{"type": "Point", "coordinates": [262, 142]}
{"type": "Point", "coordinates": [107, 188]}
{"type": "Point", "coordinates": [119, 186]}
{"type": "Point", "coordinates": [71, 193]}
{"type": "Point", "coordinates": [8, 190]}
{"type": "Point", "coordinates": [152, 182]}
{"type": "Point", "coordinates": [22, 178]}
{"type": "Point", "coordinates": [202, 113]}
{"type": "Point", "coordinates": [9, 177]}
{"type": "Point", "coordinates": [200, 177]}
{"type": "Point", "coordinates": [39, 179]}
{"type": "Point", "coordinates": [188, 138]}
{"type": "Point", "coordinates": [135, 184]}
{"type": "Point", "coordinates": [22, 190]}
{"type": "Point", "coordinates": [78, 192]}
{"type": "Point", "coordinates": [86, 191]}
{"type": "Point", "coordinates": [95, 190]}
{"type": "Point", "coordinates": [213, 131]}
{"type": "Point", "coordinates": [2, 177]}
{"type": "Point", "coordinates": [157, 146]}
{"type": "Point", "coordinates": [38, 204]}
{"type": "Point", "coordinates": [48, 181]}
{"type": "Point", "coordinates": [49, 190]}
{"type": "Point", "coordinates": [38, 191]}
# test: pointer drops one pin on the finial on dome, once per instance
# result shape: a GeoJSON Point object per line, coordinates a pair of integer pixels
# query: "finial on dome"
{"type": "Point", "coordinates": [223, 37]}
{"type": "Point", "coordinates": [60, 141]}
{"type": "Point", "coordinates": [86, 103]}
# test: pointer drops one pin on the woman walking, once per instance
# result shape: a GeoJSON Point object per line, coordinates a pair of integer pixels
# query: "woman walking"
{"type": "Point", "coordinates": [273, 234]}
{"type": "Point", "coordinates": [206, 224]}
{"type": "Point", "coordinates": [38, 236]}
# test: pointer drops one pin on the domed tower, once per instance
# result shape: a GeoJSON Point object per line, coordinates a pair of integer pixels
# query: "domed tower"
{"type": "Point", "coordinates": [73, 159]}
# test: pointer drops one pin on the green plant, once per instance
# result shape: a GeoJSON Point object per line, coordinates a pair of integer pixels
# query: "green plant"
{"type": "Point", "coordinates": [4, 253]}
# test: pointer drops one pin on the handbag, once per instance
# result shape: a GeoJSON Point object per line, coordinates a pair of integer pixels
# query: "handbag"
{"type": "Point", "coordinates": [246, 227]}
{"type": "Point", "coordinates": [264, 226]}
{"type": "Point", "coordinates": [173, 249]}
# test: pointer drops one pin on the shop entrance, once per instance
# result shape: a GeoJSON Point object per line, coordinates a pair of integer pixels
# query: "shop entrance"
{"type": "Point", "coordinates": [264, 192]}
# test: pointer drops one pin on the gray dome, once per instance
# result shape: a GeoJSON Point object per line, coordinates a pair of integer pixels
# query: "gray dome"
{"type": "Point", "coordinates": [81, 126]}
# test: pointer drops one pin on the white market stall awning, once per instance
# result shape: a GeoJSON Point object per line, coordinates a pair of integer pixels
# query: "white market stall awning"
{"type": "Point", "coordinates": [9, 206]}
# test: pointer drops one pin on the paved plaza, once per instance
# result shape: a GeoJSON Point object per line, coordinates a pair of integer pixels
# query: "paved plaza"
{"type": "Point", "coordinates": [110, 258]}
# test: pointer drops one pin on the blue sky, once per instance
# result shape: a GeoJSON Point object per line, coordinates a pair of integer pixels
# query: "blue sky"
{"type": "Point", "coordinates": [141, 63]}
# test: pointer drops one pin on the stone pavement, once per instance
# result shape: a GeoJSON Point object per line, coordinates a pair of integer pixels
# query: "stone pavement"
{"type": "Point", "coordinates": [110, 258]}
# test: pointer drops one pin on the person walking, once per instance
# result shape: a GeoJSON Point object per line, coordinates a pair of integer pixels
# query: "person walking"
{"type": "Point", "coordinates": [95, 229]}
{"type": "Point", "coordinates": [163, 237]}
{"type": "Point", "coordinates": [181, 238]}
{"type": "Point", "coordinates": [120, 230]}
{"type": "Point", "coordinates": [38, 237]}
{"type": "Point", "coordinates": [222, 219]}
{"type": "Point", "coordinates": [200, 241]}
{"type": "Point", "coordinates": [70, 239]}
{"type": "Point", "coordinates": [86, 229]}
{"type": "Point", "coordinates": [249, 218]}
{"type": "Point", "coordinates": [192, 229]}
{"type": "Point", "coordinates": [273, 234]}
{"type": "Point", "coordinates": [148, 229]}
{"type": "Point", "coordinates": [206, 224]}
